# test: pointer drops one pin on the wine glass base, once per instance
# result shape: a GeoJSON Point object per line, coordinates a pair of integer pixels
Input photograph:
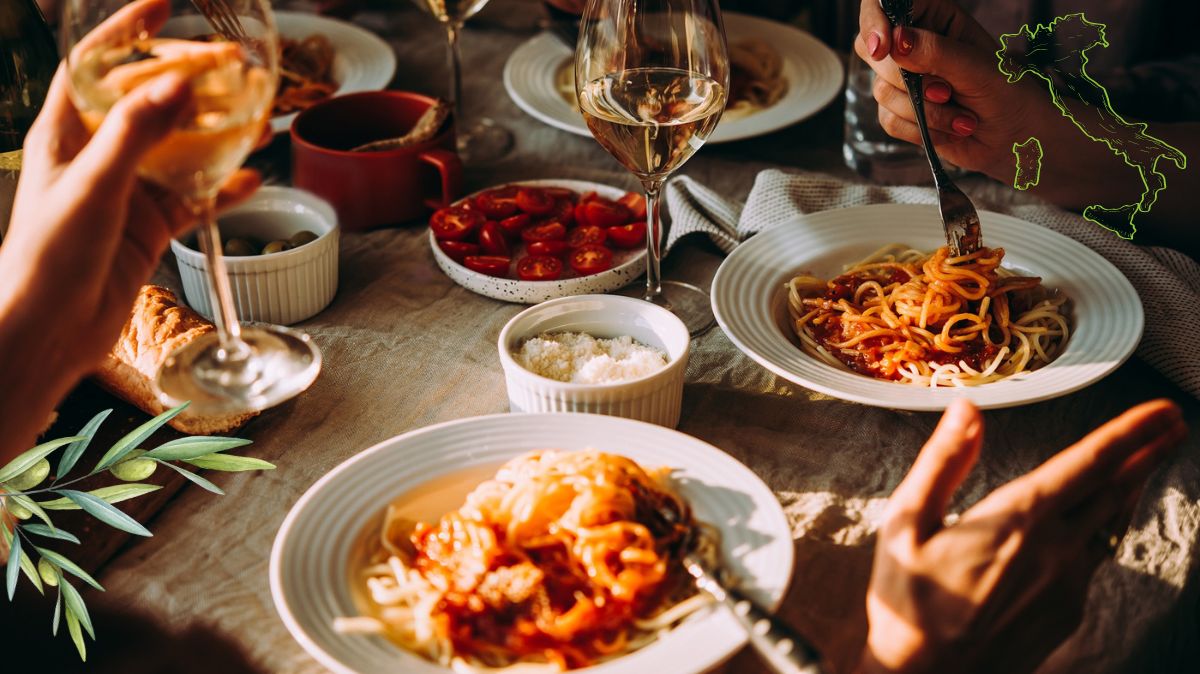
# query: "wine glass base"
{"type": "Point", "coordinates": [484, 142]}
{"type": "Point", "coordinates": [279, 364]}
{"type": "Point", "coordinates": [690, 303]}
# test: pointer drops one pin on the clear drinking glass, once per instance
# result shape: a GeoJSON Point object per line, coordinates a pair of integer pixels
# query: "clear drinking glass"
{"type": "Point", "coordinates": [485, 140]}
{"type": "Point", "coordinates": [113, 47]}
{"type": "Point", "coordinates": [652, 78]}
{"type": "Point", "coordinates": [867, 148]}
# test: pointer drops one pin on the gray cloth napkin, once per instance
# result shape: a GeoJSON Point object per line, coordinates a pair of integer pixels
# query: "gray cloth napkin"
{"type": "Point", "coordinates": [1167, 281]}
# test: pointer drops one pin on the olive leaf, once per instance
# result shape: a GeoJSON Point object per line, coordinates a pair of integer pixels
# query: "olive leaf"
{"type": "Point", "coordinates": [75, 450]}
{"type": "Point", "coordinates": [101, 510]}
{"type": "Point", "coordinates": [136, 437]}
{"type": "Point", "coordinates": [111, 494]}
{"type": "Point", "coordinates": [190, 448]}
{"type": "Point", "coordinates": [14, 566]}
{"type": "Point", "coordinates": [32, 506]}
{"type": "Point", "coordinates": [69, 566]}
{"type": "Point", "coordinates": [230, 463]}
{"type": "Point", "coordinates": [75, 605]}
{"type": "Point", "coordinates": [57, 612]}
{"type": "Point", "coordinates": [25, 460]}
{"type": "Point", "coordinates": [24, 560]}
{"type": "Point", "coordinates": [76, 636]}
{"type": "Point", "coordinates": [203, 483]}
{"type": "Point", "coordinates": [48, 532]}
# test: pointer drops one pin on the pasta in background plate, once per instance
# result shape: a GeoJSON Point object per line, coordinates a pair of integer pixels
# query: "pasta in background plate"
{"type": "Point", "coordinates": [929, 319]}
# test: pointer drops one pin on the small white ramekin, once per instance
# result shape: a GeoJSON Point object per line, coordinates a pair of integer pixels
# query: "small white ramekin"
{"type": "Point", "coordinates": [655, 398]}
{"type": "Point", "coordinates": [280, 288]}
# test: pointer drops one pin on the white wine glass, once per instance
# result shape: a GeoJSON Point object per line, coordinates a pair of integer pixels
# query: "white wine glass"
{"type": "Point", "coordinates": [113, 47]}
{"type": "Point", "coordinates": [652, 78]}
{"type": "Point", "coordinates": [485, 140]}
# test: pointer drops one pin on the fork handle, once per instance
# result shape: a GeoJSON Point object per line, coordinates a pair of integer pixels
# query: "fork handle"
{"type": "Point", "coordinates": [784, 649]}
{"type": "Point", "coordinates": [914, 82]}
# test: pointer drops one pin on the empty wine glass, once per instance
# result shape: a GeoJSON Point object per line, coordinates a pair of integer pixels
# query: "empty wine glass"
{"type": "Point", "coordinates": [114, 47]}
{"type": "Point", "coordinates": [652, 78]}
{"type": "Point", "coordinates": [485, 140]}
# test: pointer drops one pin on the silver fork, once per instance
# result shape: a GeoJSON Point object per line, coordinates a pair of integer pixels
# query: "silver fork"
{"type": "Point", "coordinates": [959, 218]}
{"type": "Point", "coordinates": [782, 648]}
{"type": "Point", "coordinates": [222, 17]}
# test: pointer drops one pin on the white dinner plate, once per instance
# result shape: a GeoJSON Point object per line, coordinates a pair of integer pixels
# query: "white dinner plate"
{"type": "Point", "coordinates": [628, 264]}
{"type": "Point", "coordinates": [310, 569]}
{"type": "Point", "coordinates": [363, 62]}
{"type": "Point", "coordinates": [812, 70]}
{"type": "Point", "coordinates": [750, 302]}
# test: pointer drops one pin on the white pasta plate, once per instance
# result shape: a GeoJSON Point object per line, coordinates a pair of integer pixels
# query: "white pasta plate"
{"type": "Point", "coordinates": [812, 70]}
{"type": "Point", "coordinates": [750, 302]}
{"type": "Point", "coordinates": [627, 264]}
{"type": "Point", "coordinates": [310, 566]}
{"type": "Point", "coordinates": [363, 61]}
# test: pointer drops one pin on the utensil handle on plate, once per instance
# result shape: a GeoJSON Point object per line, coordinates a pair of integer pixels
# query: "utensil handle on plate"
{"type": "Point", "coordinates": [449, 167]}
{"type": "Point", "coordinates": [783, 649]}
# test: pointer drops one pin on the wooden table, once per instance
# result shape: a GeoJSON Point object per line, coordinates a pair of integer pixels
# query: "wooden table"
{"type": "Point", "coordinates": [404, 347]}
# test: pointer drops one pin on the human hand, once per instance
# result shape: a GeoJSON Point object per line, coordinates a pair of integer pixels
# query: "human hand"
{"type": "Point", "coordinates": [974, 114]}
{"type": "Point", "coordinates": [1000, 588]}
{"type": "Point", "coordinates": [86, 232]}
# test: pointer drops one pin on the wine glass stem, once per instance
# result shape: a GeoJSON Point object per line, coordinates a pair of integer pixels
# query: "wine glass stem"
{"type": "Point", "coordinates": [653, 241]}
{"type": "Point", "coordinates": [455, 56]}
{"type": "Point", "coordinates": [229, 331]}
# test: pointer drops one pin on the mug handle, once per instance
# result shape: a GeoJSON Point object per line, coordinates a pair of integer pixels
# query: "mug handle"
{"type": "Point", "coordinates": [449, 166]}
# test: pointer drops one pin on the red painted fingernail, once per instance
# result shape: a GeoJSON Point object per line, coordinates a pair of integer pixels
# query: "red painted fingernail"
{"type": "Point", "coordinates": [904, 41]}
{"type": "Point", "coordinates": [963, 125]}
{"type": "Point", "coordinates": [938, 92]}
{"type": "Point", "coordinates": [873, 44]}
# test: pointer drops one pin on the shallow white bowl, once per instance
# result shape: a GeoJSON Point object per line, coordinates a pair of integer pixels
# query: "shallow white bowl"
{"type": "Point", "coordinates": [310, 561]}
{"type": "Point", "coordinates": [656, 397]}
{"type": "Point", "coordinates": [280, 288]}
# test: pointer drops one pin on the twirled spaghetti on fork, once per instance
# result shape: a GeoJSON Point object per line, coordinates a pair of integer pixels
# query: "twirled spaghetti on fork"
{"type": "Point", "coordinates": [929, 319]}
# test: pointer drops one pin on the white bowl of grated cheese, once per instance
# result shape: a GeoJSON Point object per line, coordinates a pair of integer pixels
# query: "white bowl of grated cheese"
{"type": "Point", "coordinates": [603, 354]}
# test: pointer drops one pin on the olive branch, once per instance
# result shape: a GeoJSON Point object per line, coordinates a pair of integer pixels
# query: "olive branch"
{"type": "Point", "coordinates": [21, 485]}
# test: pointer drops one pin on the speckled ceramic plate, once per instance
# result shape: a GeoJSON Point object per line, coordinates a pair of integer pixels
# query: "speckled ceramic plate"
{"type": "Point", "coordinates": [627, 264]}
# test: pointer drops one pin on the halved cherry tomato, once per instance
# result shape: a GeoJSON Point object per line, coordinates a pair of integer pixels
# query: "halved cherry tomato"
{"type": "Point", "coordinates": [498, 203]}
{"type": "Point", "coordinates": [627, 236]}
{"type": "Point", "coordinates": [534, 201]}
{"type": "Point", "coordinates": [636, 204]}
{"type": "Point", "coordinates": [457, 250]}
{"type": "Point", "coordinates": [454, 223]}
{"type": "Point", "coordinates": [603, 213]}
{"type": "Point", "coordinates": [513, 225]}
{"type": "Point", "coordinates": [551, 247]}
{"type": "Point", "coordinates": [561, 193]}
{"type": "Point", "coordinates": [539, 268]}
{"type": "Point", "coordinates": [547, 231]}
{"type": "Point", "coordinates": [590, 259]}
{"type": "Point", "coordinates": [491, 239]}
{"type": "Point", "coordinates": [492, 265]}
{"type": "Point", "coordinates": [585, 234]}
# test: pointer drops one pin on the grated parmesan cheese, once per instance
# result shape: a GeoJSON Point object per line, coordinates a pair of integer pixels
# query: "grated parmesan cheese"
{"type": "Point", "coordinates": [580, 358]}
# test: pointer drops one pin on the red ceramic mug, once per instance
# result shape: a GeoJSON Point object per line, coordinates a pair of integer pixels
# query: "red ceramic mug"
{"type": "Point", "coordinates": [371, 189]}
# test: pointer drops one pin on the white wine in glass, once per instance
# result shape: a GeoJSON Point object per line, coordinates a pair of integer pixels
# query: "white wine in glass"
{"type": "Point", "coordinates": [652, 78]}
{"type": "Point", "coordinates": [115, 47]}
{"type": "Point", "coordinates": [483, 141]}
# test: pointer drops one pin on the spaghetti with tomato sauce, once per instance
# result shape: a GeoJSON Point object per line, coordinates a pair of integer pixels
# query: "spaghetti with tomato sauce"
{"type": "Point", "coordinates": [929, 319]}
{"type": "Point", "coordinates": [563, 559]}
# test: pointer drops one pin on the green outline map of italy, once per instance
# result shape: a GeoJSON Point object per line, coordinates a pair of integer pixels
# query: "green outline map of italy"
{"type": "Point", "coordinates": [1074, 35]}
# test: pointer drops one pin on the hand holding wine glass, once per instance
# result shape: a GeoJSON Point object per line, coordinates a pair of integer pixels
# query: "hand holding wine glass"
{"type": "Point", "coordinates": [652, 79]}
{"type": "Point", "coordinates": [116, 49]}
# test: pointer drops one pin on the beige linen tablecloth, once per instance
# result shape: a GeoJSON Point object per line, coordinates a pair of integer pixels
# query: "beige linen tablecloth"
{"type": "Point", "coordinates": [405, 347]}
